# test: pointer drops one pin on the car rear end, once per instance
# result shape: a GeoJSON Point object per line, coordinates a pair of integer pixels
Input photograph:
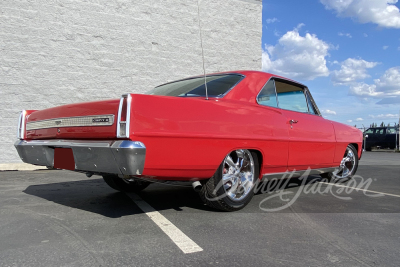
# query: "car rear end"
{"type": "Point", "coordinates": [89, 137]}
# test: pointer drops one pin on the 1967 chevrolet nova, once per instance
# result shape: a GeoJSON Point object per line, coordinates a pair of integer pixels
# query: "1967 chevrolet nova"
{"type": "Point", "coordinates": [222, 133]}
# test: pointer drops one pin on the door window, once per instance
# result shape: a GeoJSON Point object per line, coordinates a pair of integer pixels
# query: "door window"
{"type": "Point", "coordinates": [291, 97]}
{"type": "Point", "coordinates": [369, 131]}
{"type": "Point", "coordinates": [380, 131]}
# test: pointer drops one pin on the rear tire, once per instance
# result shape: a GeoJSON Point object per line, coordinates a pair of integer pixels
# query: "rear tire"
{"type": "Point", "coordinates": [125, 185]}
{"type": "Point", "coordinates": [232, 186]}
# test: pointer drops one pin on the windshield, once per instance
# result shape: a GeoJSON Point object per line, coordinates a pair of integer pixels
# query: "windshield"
{"type": "Point", "coordinates": [217, 85]}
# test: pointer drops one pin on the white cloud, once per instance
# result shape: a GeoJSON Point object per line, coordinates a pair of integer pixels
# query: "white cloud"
{"type": "Point", "coordinates": [387, 86]}
{"type": "Point", "coordinates": [345, 34]}
{"type": "Point", "coordinates": [359, 119]}
{"type": "Point", "coordinates": [385, 47]}
{"type": "Point", "coordinates": [385, 116]}
{"type": "Point", "coordinates": [381, 12]}
{"type": "Point", "coordinates": [299, 26]}
{"type": "Point", "coordinates": [349, 120]}
{"type": "Point", "coordinates": [272, 20]}
{"type": "Point", "coordinates": [352, 70]}
{"type": "Point", "coordinates": [296, 56]}
{"type": "Point", "coordinates": [327, 111]}
{"type": "Point", "coordinates": [364, 90]}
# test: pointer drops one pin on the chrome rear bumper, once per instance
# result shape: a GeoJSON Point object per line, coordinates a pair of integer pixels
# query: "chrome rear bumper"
{"type": "Point", "coordinates": [118, 157]}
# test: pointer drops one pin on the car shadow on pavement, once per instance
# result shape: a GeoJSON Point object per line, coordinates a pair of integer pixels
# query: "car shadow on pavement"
{"type": "Point", "coordinates": [95, 196]}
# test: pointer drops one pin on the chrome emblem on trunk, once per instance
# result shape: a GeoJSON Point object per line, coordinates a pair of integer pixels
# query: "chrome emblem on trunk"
{"type": "Point", "coordinates": [100, 120]}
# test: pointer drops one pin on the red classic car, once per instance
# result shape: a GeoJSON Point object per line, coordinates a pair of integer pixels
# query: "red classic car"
{"type": "Point", "coordinates": [221, 132]}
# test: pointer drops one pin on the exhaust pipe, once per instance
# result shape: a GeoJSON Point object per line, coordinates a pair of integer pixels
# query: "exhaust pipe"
{"type": "Point", "coordinates": [197, 186]}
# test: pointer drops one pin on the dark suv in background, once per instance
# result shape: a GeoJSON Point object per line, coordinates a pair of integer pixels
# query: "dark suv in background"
{"type": "Point", "coordinates": [382, 137]}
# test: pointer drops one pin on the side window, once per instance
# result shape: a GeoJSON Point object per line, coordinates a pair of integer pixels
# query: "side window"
{"type": "Point", "coordinates": [390, 130]}
{"type": "Point", "coordinates": [267, 96]}
{"type": "Point", "coordinates": [380, 131]}
{"type": "Point", "coordinates": [291, 97]}
{"type": "Point", "coordinates": [369, 131]}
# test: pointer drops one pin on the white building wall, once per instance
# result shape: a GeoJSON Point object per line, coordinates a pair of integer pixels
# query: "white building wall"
{"type": "Point", "coordinates": [59, 52]}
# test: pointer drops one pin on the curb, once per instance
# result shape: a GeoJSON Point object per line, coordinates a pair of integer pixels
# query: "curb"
{"type": "Point", "coordinates": [20, 167]}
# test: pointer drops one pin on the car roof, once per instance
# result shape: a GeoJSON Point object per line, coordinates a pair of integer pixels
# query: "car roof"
{"type": "Point", "coordinates": [248, 88]}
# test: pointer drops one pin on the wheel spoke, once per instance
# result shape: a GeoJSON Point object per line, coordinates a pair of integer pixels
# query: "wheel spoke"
{"type": "Point", "coordinates": [234, 187]}
{"type": "Point", "coordinates": [238, 174]}
{"type": "Point", "coordinates": [230, 162]}
{"type": "Point", "coordinates": [347, 164]}
{"type": "Point", "coordinates": [240, 153]}
{"type": "Point", "coordinates": [228, 177]}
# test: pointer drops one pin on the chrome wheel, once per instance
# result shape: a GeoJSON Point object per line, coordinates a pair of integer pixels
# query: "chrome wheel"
{"type": "Point", "coordinates": [238, 174]}
{"type": "Point", "coordinates": [347, 165]}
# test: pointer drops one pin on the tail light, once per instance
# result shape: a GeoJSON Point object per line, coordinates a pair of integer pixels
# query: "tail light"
{"type": "Point", "coordinates": [21, 125]}
{"type": "Point", "coordinates": [124, 115]}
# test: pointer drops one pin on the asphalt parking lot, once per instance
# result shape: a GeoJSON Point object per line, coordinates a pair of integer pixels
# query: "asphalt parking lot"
{"type": "Point", "coordinates": [62, 218]}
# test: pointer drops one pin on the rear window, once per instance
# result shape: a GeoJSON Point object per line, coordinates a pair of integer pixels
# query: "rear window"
{"type": "Point", "coordinates": [217, 85]}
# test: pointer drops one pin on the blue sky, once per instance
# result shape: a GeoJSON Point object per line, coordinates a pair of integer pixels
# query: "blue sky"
{"type": "Point", "coordinates": [346, 51]}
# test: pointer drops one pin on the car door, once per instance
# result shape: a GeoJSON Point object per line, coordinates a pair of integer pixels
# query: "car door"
{"type": "Point", "coordinates": [311, 137]}
{"type": "Point", "coordinates": [379, 137]}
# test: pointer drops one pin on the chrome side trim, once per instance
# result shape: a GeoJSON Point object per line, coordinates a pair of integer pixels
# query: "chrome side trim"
{"type": "Point", "coordinates": [121, 157]}
{"type": "Point", "coordinates": [21, 125]}
{"type": "Point", "coordinates": [81, 121]}
{"type": "Point", "coordinates": [293, 174]}
{"type": "Point", "coordinates": [128, 116]}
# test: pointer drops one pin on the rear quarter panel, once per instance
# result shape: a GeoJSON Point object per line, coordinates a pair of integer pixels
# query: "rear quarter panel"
{"type": "Point", "coordinates": [189, 137]}
{"type": "Point", "coordinates": [346, 135]}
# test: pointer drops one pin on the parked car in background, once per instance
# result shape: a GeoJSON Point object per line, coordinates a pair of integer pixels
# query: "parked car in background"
{"type": "Point", "coordinates": [380, 137]}
{"type": "Point", "coordinates": [222, 138]}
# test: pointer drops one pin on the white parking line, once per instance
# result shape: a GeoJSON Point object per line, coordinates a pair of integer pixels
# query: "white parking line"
{"type": "Point", "coordinates": [365, 190]}
{"type": "Point", "coordinates": [186, 244]}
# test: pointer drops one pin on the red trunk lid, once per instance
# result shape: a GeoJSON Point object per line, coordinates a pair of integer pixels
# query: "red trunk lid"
{"type": "Point", "coordinates": [90, 120]}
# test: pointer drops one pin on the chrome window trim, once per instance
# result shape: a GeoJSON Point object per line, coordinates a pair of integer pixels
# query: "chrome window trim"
{"type": "Point", "coordinates": [52, 123]}
{"type": "Point", "coordinates": [276, 95]}
{"type": "Point", "coordinates": [312, 101]}
{"type": "Point", "coordinates": [128, 115]}
{"type": "Point", "coordinates": [277, 99]}
{"type": "Point", "coordinates": [220, 74]}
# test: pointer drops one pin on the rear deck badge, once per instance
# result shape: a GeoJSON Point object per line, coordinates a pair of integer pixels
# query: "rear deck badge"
{"type": "Point", "coordinates": [100, 120]}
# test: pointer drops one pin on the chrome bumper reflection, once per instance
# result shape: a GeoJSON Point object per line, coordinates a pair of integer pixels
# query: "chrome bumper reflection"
{"type": "Point", "coordinates": [118, 157]}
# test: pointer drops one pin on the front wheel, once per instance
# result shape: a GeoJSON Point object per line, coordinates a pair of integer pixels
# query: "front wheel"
{"type": "Point", "coordinates": [347, 168]}
{"type": "Point", "coordinates": [232, 186]}
{"type": "Point", "coordinates": [125, 185]}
